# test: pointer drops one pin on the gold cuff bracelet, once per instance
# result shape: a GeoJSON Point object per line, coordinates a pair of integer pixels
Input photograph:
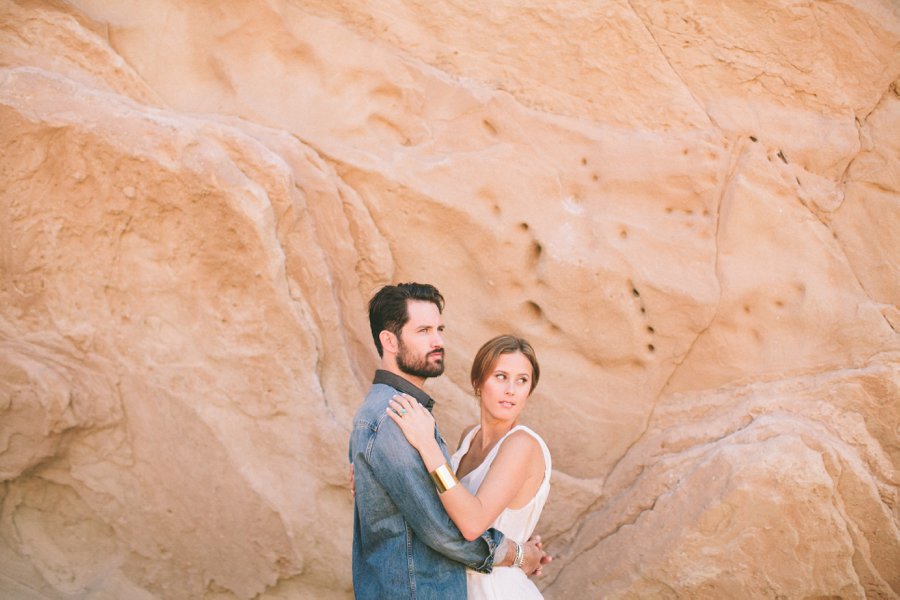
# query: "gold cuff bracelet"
{"type": "Point", "coordinates": [443, 478]}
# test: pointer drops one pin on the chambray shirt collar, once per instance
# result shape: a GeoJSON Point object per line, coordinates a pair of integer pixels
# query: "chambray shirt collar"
{"type": "Point", "coordinates": [402, 385]}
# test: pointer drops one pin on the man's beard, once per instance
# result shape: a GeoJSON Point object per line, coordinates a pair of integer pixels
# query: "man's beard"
{"type": "Point", "coordinates": [419, 366]}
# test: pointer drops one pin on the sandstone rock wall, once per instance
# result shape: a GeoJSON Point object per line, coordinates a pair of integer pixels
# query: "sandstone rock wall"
{"type": "Point", "coordinates": [691, 208]}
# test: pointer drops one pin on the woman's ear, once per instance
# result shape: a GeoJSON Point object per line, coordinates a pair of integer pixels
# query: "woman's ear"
{"type": "Point", "coordinates": [389, 341]}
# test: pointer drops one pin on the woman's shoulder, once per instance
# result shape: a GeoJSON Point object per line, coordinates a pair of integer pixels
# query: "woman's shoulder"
{"type": "Point", "coordinates": [523, 440]}
{"type": "Point", "coordinates": [520, 452]}
{"type": "Point", "coordinates": [527, 433]}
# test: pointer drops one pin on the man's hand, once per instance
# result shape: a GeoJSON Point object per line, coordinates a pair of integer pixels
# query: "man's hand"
{"type": "Point", "coordinates": [535, 557]}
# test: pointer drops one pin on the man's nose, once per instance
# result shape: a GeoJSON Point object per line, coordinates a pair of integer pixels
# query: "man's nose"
{"type": "Point", "coordinates": [437, 340]}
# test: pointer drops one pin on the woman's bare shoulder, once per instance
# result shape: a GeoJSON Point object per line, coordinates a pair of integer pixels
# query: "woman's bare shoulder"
{"type": "Point", "coordinates": [523, 444]}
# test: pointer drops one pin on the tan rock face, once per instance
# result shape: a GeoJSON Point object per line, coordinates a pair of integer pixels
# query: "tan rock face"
{"type": "Point", "coordinates": [690, 208]}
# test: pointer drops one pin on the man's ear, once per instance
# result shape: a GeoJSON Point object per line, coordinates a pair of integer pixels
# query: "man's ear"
{"type": "Point", "coordinates": [389, 341]}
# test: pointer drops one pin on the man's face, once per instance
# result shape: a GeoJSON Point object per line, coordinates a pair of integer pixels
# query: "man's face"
{"type": "Point", "coordinates": [421, 343]}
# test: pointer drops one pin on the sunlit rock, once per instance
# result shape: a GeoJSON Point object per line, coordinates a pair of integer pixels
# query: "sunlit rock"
{"type": "Point", "coordinates": [690, 209]}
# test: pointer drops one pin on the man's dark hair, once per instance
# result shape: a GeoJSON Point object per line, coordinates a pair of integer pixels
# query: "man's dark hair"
{"type": "Point", "coordinates": [387, 308]}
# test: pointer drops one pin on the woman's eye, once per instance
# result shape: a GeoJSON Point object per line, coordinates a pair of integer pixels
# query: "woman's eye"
{"type": "Point", "coordinates": [501, 376]}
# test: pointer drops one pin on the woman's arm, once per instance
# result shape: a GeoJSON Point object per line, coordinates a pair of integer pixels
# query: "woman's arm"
{"type": "Point", "coordinates": [515, 464]}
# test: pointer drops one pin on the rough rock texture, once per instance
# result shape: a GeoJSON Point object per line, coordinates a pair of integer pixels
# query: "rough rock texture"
{"type": "Point", "coordinates": [692, 208]}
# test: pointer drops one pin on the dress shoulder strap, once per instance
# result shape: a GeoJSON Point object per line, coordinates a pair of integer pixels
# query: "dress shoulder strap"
{"type": "Point", "coordinates": [467, 440]}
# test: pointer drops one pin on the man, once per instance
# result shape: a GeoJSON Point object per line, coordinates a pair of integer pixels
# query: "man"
{"type": "Point", "coordinates": [404, 544]}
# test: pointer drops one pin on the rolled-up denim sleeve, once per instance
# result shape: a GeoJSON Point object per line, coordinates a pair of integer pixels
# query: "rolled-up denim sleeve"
{"type": "Point", "coordinates": [399, 468]}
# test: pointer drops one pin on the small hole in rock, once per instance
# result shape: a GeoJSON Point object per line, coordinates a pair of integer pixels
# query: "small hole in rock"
{"type": "Point", "coordinates": [533, 309]}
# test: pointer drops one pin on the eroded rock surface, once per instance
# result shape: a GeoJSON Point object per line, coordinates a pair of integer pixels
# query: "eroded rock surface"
{"type": "Point", "coordinates": [690, 208]}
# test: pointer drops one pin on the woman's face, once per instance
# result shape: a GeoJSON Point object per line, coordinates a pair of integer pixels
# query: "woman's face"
{"type": "Point", "coordinates": [507, 386]}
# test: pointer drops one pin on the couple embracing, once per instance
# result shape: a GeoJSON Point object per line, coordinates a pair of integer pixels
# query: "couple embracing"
{"type": "Point", "coordinates": [428, 525]}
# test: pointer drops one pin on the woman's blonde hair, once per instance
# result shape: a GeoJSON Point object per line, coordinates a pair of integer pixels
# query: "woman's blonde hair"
{"type": "Point", "coordinates": [487, 356]}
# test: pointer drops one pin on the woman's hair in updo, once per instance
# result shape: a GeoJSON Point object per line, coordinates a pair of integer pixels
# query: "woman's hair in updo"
{"type": "Point", "coordinates": [488, 354]}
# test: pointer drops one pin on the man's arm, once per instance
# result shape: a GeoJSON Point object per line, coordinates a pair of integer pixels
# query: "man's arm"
{"type": "Point", "coordinates": [398, 467]}
{"type": "Point", "coordinates": [535, 558]}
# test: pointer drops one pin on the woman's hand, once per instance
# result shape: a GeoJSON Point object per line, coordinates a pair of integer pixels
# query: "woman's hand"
{"type": "Point", "coordinates": [414, 420]}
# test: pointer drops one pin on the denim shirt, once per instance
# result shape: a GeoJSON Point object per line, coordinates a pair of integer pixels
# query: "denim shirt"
{"type": "Point", "coordinates": [404, 544]}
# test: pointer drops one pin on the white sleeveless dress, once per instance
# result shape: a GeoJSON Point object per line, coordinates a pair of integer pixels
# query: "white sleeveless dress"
{"type": "Point", "coordinates": [505, 583]}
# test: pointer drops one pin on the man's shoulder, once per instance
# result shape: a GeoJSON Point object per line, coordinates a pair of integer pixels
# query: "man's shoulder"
{"type": "Point", "coordinates": [374, 403]}
{"type": "Point", "coordinates": [379, 394]}
{"type": "Point", "coordinates": [379, 390]}
{"type": "Point", "coordinates": [379, 434]}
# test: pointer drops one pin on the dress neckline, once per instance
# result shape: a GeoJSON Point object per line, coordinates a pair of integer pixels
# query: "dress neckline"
{"type": "Point", "coordinates": [467, 444]}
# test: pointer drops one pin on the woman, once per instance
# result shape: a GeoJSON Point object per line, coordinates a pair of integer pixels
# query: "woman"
{"type": "Point", "coordinates": [504, 467]}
